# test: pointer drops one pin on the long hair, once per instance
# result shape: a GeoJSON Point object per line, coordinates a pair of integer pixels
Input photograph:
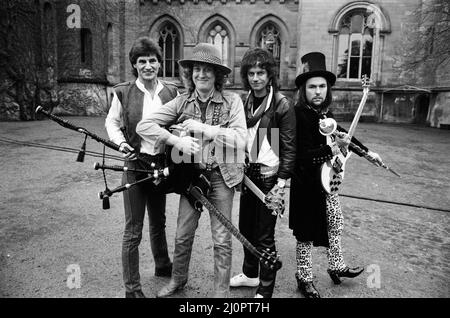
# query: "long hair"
{"type": "Point", "coordinates": [189, 83]}
{"type": "Point", "coordinates": [302, 102]}
{"type": "Point", "coordinates": [265, 60]}
{"type": "Point", "coordinates": [143, 46]}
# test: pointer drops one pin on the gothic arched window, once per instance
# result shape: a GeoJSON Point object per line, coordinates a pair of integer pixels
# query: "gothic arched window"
{"type": "Point", "coordinates": [358, 29]}
{"type": "Point", "coordinates": [269, 38]}
{"type": "Point", "coordinates": [355, 45]}
{"type": "Point", "coordinates": [220, 38]}
{"type": "Point", "coordinates": [169, 41]}
{"type": "Point", "coordinates": [218, 31]}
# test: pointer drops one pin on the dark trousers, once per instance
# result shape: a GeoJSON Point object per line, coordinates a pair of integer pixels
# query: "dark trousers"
{"type": "Point", "coordinates": [136, 199]}
{"type": "Point", "coordinates": [257, 224]}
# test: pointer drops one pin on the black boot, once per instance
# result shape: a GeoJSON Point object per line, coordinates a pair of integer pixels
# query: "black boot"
{"type": "Point", "coordinates": [164, 271]}
{"type": "Point", "coordinates": [135, 294]}
{"type": "Point", "coordinates": [307, 289]}
{"type": "Point", "coordinates": [346, 272]}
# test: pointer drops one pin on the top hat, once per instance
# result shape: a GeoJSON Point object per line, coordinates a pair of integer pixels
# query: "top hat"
{"type": "Point", "coordinates": [205, 53]}
{"type": "Point", "coordinates": [314, 65]}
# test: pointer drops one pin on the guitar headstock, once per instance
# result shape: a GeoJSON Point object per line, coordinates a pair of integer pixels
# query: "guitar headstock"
{"type": "Point", "coordinates": [271, 260]}
{"type": "Point", "coordinates": [275, 203]}
{"type": "Point", "coordinates": [365, 81]}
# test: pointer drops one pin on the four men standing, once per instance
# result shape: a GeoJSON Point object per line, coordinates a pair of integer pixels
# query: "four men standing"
{"type": "Point", "coordinates": [211, 123]}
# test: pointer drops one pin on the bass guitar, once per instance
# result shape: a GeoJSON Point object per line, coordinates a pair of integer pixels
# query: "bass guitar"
{"type": "Point", "coordinates": [197, 191]}
{"type": "Point", "coordinates": [332, 171]}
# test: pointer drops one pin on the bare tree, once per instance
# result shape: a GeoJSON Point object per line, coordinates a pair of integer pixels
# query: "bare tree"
{"type": "Point", "coordinates": [426, 48]}
{"type": "Point", "coordinates": [20, 55]}
{"type": "Point", "coordinates": [30, 50]}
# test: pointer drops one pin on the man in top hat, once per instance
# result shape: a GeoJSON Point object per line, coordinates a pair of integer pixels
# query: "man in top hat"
{"type": "Point", "coordinates": [217, 118]}
{"type": "Point", "coordinates": [314, 215]}
{"type": "Point", "coordinates": [132, 102]}
{"type": "Point", "coordinates": [271, 154]}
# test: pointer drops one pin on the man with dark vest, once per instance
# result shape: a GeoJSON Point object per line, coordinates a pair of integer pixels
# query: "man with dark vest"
{"type": "Point", "coordinates": [271, 153]}
{"type": "Point", "coordinates": [132, 102]}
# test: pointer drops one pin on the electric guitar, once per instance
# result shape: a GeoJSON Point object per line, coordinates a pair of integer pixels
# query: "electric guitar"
{"type": "Point", "coordinates": [196, 195]}
{"type": "Point", "coordinates": [332, 171]}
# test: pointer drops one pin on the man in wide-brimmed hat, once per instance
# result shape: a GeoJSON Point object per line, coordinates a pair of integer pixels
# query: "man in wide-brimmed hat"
{"type": "Point", "coordinates": [216, 118]}
{"type": "Point", "coordinates": [314, 215]}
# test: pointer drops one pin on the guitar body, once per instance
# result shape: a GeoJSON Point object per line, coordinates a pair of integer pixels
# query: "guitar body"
{"type": "Point", "coordinates": [332, 173]}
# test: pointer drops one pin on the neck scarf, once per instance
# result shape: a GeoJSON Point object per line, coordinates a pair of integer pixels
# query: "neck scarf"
{"type": "Point", "coordinates": [252, 119]}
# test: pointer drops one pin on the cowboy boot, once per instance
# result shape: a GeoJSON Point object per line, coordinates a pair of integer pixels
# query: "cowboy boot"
{"type": "Point", "coordinates": [171, 288]}
{"type": "Point", "coordinates": [307, 289]}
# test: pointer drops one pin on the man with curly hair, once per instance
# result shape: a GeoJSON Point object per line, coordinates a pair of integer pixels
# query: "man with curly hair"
{"type": "Point", "coordinates": [271, 156]}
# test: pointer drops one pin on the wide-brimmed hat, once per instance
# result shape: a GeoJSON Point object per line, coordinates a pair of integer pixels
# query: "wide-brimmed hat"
{"type": "Point", "coordinates": [205, 53]}
{"type": "Point", "coordinates": [314, 65]}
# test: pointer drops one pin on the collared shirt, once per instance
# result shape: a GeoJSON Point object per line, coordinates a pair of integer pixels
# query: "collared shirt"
{"type": "Point", "coordinates": [229, 143]}
{"type": "Point", "coordinates": [114, 119]}
{"type": "Point", "coordinates": [203, 104]}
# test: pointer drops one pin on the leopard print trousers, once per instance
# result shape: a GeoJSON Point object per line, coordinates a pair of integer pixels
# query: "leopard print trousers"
{"type": "Point", "coordinates": [335, 224]}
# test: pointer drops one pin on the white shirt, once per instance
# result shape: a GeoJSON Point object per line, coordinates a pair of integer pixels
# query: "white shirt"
{"type": "Point", "coordinates": [113, 121]}
{"type": "Point", "coordinates": [266, 155]}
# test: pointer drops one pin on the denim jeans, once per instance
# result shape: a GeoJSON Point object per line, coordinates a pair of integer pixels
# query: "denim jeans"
{"type": "Point", "coordinates": [221, 196]}
{"type": "Point", "coordinates": [135, 200]}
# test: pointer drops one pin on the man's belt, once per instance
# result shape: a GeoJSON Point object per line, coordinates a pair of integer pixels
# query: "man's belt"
{"type": "Point", "coordinates": [262, 170]}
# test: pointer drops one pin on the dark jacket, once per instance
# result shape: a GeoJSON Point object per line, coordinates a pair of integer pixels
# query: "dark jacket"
{"type": "Point", "coordinates": [280, 115]}
{"type": "Point", "coordinates": [307, 205]}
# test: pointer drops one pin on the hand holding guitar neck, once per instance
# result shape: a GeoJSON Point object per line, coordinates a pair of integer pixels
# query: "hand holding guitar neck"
{"type": "Point", "coordinates": [274, 200]}
{"type": "Point", "coordinates": [342, 140]}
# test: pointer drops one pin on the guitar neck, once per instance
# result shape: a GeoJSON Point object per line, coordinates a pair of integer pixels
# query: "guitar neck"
{"type": "Point", "coordinates": [352, 128]}
{"type": "Point", "coordinates": [227, 223]}
{"type": "Point", "coordinates": [365, 81]}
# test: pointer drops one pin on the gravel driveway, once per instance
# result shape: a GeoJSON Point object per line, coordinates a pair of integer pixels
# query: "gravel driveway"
{"type": "Point", "coordinates": [52, 225]}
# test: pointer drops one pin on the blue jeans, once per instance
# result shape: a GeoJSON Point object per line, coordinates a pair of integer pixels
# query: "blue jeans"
{"type": "Point", "coordinates": [221, 196]}
{"type": "Point", "coordinates": [135, 200]}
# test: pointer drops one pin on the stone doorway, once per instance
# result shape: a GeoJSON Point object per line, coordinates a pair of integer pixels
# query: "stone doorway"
{"type": "Point", "coordinates": [421, 109]}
